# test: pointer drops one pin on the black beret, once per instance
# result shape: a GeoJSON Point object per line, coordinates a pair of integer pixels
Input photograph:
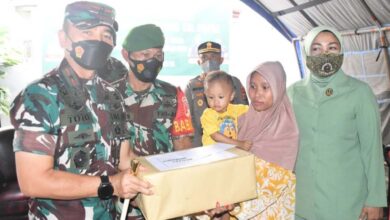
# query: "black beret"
{"type": "Point", "coordinates": [209, 46]}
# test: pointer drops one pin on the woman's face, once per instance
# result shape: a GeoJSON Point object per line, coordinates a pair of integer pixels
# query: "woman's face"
{"type": "Point", "coordinates": [260, 93]}
{"type": "Point", "coordinates": [325, 42]}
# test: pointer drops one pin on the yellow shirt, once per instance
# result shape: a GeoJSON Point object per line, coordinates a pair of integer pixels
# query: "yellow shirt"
{"type": "Point", "coordinates": [224, 123]}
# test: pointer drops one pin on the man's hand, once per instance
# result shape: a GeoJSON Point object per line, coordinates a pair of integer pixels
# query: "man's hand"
{"type": "Point", "coordinates": [371, 213]}
{"type": "Point", "coordinates": [127, 185]}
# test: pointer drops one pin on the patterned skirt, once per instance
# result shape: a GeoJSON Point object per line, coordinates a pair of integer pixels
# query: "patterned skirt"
{"type": "Point", "coordinates": [276, 194]}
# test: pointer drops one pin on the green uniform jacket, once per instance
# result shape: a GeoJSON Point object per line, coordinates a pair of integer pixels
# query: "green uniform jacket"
{"type": "Point", "coordinates": [340, 166]}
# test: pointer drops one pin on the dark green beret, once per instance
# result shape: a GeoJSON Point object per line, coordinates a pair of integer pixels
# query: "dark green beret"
{"type": "Point", "coordinates": [144, 37]}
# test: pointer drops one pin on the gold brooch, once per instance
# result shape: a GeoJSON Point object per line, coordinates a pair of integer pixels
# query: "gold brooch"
{"type": "Point", "coordinates": [329, 92]}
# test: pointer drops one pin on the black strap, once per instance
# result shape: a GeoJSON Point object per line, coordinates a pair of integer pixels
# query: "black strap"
{"type": "Point", "coordinates": [104, 179]}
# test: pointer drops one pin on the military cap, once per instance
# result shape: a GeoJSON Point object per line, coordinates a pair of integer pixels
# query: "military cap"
{"type": "Point", "coordinates": [209, 46]}
{"type": "Point", "coordinates": [144, 37]}
{"type": "Point", "coordinates": [86, 15]}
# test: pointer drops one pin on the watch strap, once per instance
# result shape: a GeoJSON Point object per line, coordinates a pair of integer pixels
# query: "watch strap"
{"type": "Point", "coordinates": [105, 190]}
{"type": "Point", "coordinates": [104, 179]}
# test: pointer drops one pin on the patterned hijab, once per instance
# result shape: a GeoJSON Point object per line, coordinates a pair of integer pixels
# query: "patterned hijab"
{"type": "Point", "coordinates": [273, 132]}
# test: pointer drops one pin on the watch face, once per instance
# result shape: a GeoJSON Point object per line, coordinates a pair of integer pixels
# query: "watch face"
{"type": "Point", "coordinates": [105, 189]}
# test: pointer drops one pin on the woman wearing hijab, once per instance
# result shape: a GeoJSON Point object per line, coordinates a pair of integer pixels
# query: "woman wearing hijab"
{"type": "Point", "coordinates": [270, 125]}
{"type": "Point", "coordinates": [339, 169]}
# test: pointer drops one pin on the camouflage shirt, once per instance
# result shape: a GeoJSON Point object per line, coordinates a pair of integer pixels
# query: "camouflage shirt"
{"type": "Point", "coordinates": [157, 116]}
{"type": "Point", "coordinates": [198, 103]}
{"type": "Point", "coordinates": [81, 124]}
{"type": "Point", "coordinates": [152, 114]}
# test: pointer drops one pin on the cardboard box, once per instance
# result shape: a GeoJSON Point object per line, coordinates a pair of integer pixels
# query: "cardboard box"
{"type": "Point", "coordinates": [194, 180]}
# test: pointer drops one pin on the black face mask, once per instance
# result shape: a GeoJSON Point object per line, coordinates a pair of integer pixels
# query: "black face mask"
{"type": "Point", "coordinates": [91, 54]}
{"type": "Point", "coordinates": [146, 70]}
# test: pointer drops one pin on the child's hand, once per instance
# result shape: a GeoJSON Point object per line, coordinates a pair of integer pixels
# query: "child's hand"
{"type": "Point", "coordinates": [245, 145]}
{"type": "Point", "coordinates": [220, 212]}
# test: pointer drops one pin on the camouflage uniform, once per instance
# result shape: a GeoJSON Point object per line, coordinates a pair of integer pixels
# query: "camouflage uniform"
{"type": "Point", "coordinates": [80, 123]}
{"type": "Point", "coordinates": [156, 117]}
{"type": "Point", "coordinates": [113, 70]}
{"type": "Point", "coordinates": [198, 103]}
{"type": "Point", "coordinates": [152, 116]}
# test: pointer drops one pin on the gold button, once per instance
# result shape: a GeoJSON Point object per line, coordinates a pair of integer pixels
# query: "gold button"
{"type": "Point", "coordinates": [200, 102]}
{"type": "Point", "coordinates": [329, 92]}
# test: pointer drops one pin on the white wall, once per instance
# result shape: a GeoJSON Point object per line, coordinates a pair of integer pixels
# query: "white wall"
{"type": "Point", "coordinates": [252, 41]}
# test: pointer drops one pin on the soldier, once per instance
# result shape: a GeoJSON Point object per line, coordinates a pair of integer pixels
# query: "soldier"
{"type": "Point", "coordinates": [70, 127]}
{"type": "Point", "coordinates": [210, 59]}
{"type": "Point", "coordinates": [158, 111]}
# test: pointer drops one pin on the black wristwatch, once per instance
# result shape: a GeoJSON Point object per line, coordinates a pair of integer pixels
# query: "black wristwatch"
{"type": "Point", "coordinates": [105, 189]}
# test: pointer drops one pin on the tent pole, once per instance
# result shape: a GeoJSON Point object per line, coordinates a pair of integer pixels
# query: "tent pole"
{"type": "Point", "coordinates": [384, 47]}
{"type": "Point", "coordinates": [365, 30]}
{"type": "Point", "coordinates": [382, 35]}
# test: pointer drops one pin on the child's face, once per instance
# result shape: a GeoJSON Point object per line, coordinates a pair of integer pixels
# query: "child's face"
{"type": "Point", "coordinates": [219, 95]}
{"type": "Point", "coordinates": [260, 93]}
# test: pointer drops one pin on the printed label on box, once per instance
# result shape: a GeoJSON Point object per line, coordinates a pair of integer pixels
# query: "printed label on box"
{"type": "Point", "coordinates": [191, 157]}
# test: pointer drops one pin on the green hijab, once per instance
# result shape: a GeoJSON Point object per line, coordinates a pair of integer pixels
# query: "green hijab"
{"type": "Point", "coordinates": [320, 82]}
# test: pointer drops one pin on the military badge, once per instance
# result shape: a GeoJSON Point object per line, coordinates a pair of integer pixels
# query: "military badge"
{"type": "Point", "coordinates": [79, 51]}
{"type": "Point", "coordinates": [140, 67]}
{"type": "Point", "coordinates": [200, 102]}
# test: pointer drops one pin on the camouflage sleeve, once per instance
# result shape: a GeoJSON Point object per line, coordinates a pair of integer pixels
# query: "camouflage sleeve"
{"type": "Point", "coordinates": [240, 96]}
{"type": "Point", "coordinates": [35, 116]}
{"type": "Point", "coordinates": [113, 71]}
{"type": "Point", "coordinates": [182, 124]}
